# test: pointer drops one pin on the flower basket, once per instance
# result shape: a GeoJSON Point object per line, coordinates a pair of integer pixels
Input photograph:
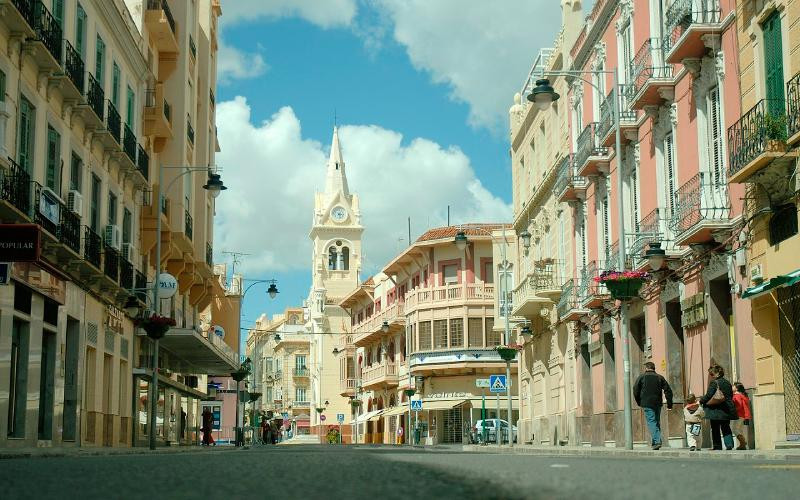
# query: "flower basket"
{"type": "Point", "coordinates": [156, 326]}
{"type": "Point", "coordinates": [409, 392]}
{"type": "Point", "coordinates": [508, 352]}
{"type": "Point", "coordinates": [239, 375]}
{"type": "Point", "coordinates": [623, 285]}
{"type": "Point", "coordinates": [355, 403]}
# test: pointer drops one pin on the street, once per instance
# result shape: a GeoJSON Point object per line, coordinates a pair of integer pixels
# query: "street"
{"type": "Point", "coordinates": [312, 471]}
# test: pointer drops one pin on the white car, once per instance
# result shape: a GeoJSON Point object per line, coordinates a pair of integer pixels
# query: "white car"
{"type": "Point", "coordinates": [491, 430]}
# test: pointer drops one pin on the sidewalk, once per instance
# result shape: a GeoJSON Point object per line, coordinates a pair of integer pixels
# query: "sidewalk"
{"type": "Point", "coordinates": [580, 451]}
{"type": "Point", "coordinates": [9, 453]}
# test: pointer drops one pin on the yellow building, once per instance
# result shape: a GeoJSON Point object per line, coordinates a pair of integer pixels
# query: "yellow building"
{"type": "Point", "coordinates": [763, 152]}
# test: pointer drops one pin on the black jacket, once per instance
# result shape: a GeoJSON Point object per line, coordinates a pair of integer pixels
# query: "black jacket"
{"type": "Point", "coordinates": [648, 388]}
{"type": "Point", "coordinates": [724, 411]}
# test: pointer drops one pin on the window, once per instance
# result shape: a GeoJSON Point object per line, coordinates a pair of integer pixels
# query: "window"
{"type": "Point", "coordinates": [345, 259]}
{"type": "Point", "coordinates": [492, 337]}
{"type": "Point", "coordinates": [268, 367]}
{"type": "Point", "coordinates": [75, 172]}
{"type": "Point", "coordinates": [131, 108]}
{"type": "Point", "coordinates": [783, 223]}
{"type": "Point", "coordinates": [717, 153]}
{"type": "Point", "coordinates": [773, 64]}
{"type": "Point", "coordinates": [450, 273]}
{"type": "Point", "coordinates": [58, 13]}
{"type": "Point", "coordinates": [53, 168]}
{"type": "Point", "coordinates": [582, 234]}
{"type": "Point", "coordinates": [300, 394]}
{"type": "Point", "coordinates": [605, 208]}
{"type": "Point", "coordinates": [457, 332]}
{"type": "Point", "coordinates": [425, 336]}
{"type": "Point", "coordinates": [27, 130]}
{"type": "Point", "coordinates": [506, 277]}
{"type": "Point", "coordinates": [669, 172]}
{"type": "Point", "coordinates": [634, 192]}
{"type": "Point", "coordinates": [115, 83]}
{"type": "Point", "coordinates": [127, 224]}
{"type": "Point", "coordinates": [300, 362]}
{"type": "Point", "coordinates": [94, 208]}
{"type": "Point", "coordinates": [488, 272]}
{"type": "Point", "coordinates": [627, 51]}
{"type": "Point", "coordinates": [100, 61]}
{"type": "Point", "coordinates": [475, 330]}
{"type": "Point", "coordinates": [440, 334]}
{"type": "Point", "coordinates": [80, 32]}
{"type": "Point", "coordinates": [112, 208]}
{"type": "Point", "coordinates": [2, 86]}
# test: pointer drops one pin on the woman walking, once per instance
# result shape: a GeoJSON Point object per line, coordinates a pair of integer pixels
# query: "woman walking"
{"type": "Point", "coordinates": [719, 408]}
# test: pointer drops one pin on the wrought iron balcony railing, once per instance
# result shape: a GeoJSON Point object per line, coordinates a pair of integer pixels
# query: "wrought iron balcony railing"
{"type": "Point", "coordinates": [588, 145]}
{"type": "Point", "coordinates": [189, 223]}
{"type": "Point", "coordinates": [647, 65]}
{"type": "Point", "coordinates": [126, 279]}
{"type": "Point", "coordinates": [167, 111]}
{"type": "Point", "coordinates": [95, 97]}
{"type": "Point", "coordinates": [606, 123]}
{"type": "Point", "coordinates": [165, 206]}
{"type": "Point", "coordinates": [570, 299]}
{"type": "Point", "coordinates": [92, 247]}
{"type": "Point", "coordinates": [143, 162]}
{"type": "Point", "coordinates": [141, 285]}
{"type": "Point", "coordinates": [164, 6]}
{"type": "Point", "coordinates": [69, 231]}
{"type": "Point", "coordinates": [189, 130]}
{"type": "Point", "coordinates": [647, 230]}
{"type": "Point", "coordinates": [748, 138]}
{"type": "Point", "coordinates": [301, 372]}
{"type": "Point", "coordinates": [209, 255]}
{"type": "Point", "coordinates": [15, 187]}
{"type": "Point", "coordinates": [589, 288]}
{"type": "Point", "coordinates": [793, 106]}
{"type": "Point", "coordinates": [129, 143]}
{"type": "Point", "coordinates": [568, 180]}
{"type": "Point", "coordinates": [683, 13]}
{"type": "Point", "coordinates": [192, 47]}
{"type": "Point", "coordinates": [47, 29]}
{"type": "Point", "coordinates": [111, 263]}
{"type": "Point", "coordinates": [704, 197]}
{"type": "Point", "coordinates": [26, 9]}
{"type": "Point", "coordinates": [114, 123]}
{"type": "Point", "coordinates": [73, 66]}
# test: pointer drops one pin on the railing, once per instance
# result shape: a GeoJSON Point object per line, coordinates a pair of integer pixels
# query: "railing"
{"type": "Point", "coordinates": [15, 187]}
{"type": "Point", "coordinates": [211, 97]}
{"type": "Point", "coordinates": [168, 111]}
{"type": "Point", "coordinates": [38, 215]}
{"type": "Point", "coordinates": [164, 6]}
{"type": "Point", "coordinates": [301, 404]}
{"type": "Point", "coordinates": [189, 130]}
{"type": "Point", "coordinates": [569, 299]}
{"type": "Point", "coordinates": [111, 263]}
{"type": "Point", "coordinates": [683, 13]}
{"type": "Point", "coordinates": [646, 231]}
{"type": "Point", "coordinates": [348, 384]}
{"type": "Point", "coordinates": [209, 255]}
{"type": "Point", "coordinates": [220, 344]}
{"type": "Point", "coordinates": [129, 143]}
{"type": "Point", "coordinates": [606, 123]}
{"type": "Point", "coordinates": [375, 372]}
{"type": "Point", "coordinates": [793, 105]}
{"type": "Point", "coordinates": [544, 277]}
{"type": "Point", "coordinates": [702, 198]}
{"type": "Point", "coordinates": [375, 322]}
{"type": "Point", "coordinates": [69, 232]}
{"type": "Point", "coordinates": [588, 286]}
{"type": "Point", "coordinates": [141, 285]}
{"type": "Point", "coordinates": [26, 9]}
{"type": "Point", "coordinates": [748, 138]}
{"type": "Point", "coordinates": [165, 206]}
{"type": "Point", "coordinates": [114, 123]}
{"type": "Point", "coordinates": [192, 47]}
{"type": "Point", "coordinates": [92, 247]}
{"type": "Point", "coordinates": [47, 30]}
{"type": "Point", "coordinates": [143, 162]}
{"type": "Point", "coordinates": [126, 274]}
{"type": "Point", "coordinates": [441, 295]}
{"type": "Point", "coordinates": [95, 97]}
{"type": "Point", "coordinates": [73, 66]}
{"type": "Point", "coordinates": [301, 372]}
{"type": "Point", "coordinates": [587, 145]}
{"type": "Point", "coordinates": [568, 177]}
{"type": "Point", "coordinates": [188, 223]}
{"type": "Point", "coordinates": [645, 67]}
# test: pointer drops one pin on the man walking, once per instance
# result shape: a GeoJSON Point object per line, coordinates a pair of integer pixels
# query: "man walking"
{"type": "Point", "coordinates": [647, 390]}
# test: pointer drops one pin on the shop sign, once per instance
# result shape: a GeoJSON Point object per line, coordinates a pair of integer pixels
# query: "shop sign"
{"type": "Point", "coordinates": [40, 280]}
{"type": "Point", "coordinates": [50, 206]}
{"type": "Point", "coordinates": [167, 285]}
{"type": "Point", "coordinates": [448, 395]}
{"type": "Point", "coordinates": [114, 319]}
{"type": "Point", "coordinates": [20, 243]}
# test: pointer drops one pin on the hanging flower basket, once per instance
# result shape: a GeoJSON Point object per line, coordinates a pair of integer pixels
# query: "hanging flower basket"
{"type": "Point", "coordinates": [508, 352]}
{"type": "Point", "coordinates": [409, 392]}
{"type": "Point", "coordinates": [355, 403]}
{"type": "Point", "coordinates": [623, 285]}
{"type": "Point", "coordinates": [156, 326]}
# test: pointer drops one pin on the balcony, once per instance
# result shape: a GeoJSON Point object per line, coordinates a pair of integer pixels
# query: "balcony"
{"type": "Point", "coordinates": [111, 263]}
{"type": "Point", "coordinates": [188, 224]}
{"type": "Point", "coordinates": [652, 228]}
{"type": "Point", "coordinates": [538, 290]}
{"type": "Point", "coordinates": [128, 159]}
{"type": "Point", "coordinates": [300, 373]}
{"type": "Point", "coordinates": [757, 141]}
{"type": "Point", "coordinates": [92, 109]}
{"type": "Point", "coordinates": [15, 194]}
{"type": "Point", "coordinates": [652, 79]}
{"type": "Point", "coordinates": [189, 131]}
{"type": "Point", "coordinates": [382, 374]}
{"type": "Point", "coordinates": [19, 17]}
{"type": "Point", "coordinates": [61, 226]}
{"type": "Point", "coordinates": [46, 42]}
{"type": "Point", "coordinates": [606, 132]}
{"type": "Point", "coordinates": [157, 115]}
{"type": "Point", "coordinates": [74, 73]}
{"type": "Point", "coordinates": [300, 404]}
{"type": "Point", "coordinates": [569, 186]}
{"type": "Point", "coordinates": [458, 361]}
{"type": "Point", "coordinates": [569, 306]}
{"type": "Point", "coordinates": [92, 247]}
{"type": "Point", "coordinates": [126, 279]}
{"type": "Point", "coordinates": [372, 328]}
{"type": "Point", "coordinates": [793, 110]}
{"type": "Point", "coordinates": [140, 282]}
{"type": "Point", "coordinates": [590, 156]}
{"type": "Point", "coordinates": [347, 387]}
{"type": "Point", "coordinates": [686, 23]}
{"type": "Point", "coordinates": [111, 135]}
{"type": "Point", "coordinates": [209, 255]}
{"type": "Point", "coordinates": [192, 48]}
{"type": "Point", "coordinates": [701, 207]}
{"type": "Point", "coordinates": [143, 162]}
{"type": "Point", "coordinates": [592, 294]}
{"type": "Point", "coordinates": [450, 295]}
{"type": "Point", "coordinates": [161, 25]}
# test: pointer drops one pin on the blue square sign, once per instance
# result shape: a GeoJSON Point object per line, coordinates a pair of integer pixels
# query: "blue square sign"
{"type": "Point", "coordinates": [416, 404]}
{"type": "Point", "coordinates": [497, 383]}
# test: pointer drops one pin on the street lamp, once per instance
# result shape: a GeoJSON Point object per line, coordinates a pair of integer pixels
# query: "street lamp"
{"type": "Point", "coordinates": [214, 186]}
{"type": "Point", "coordinates": [461, 242]}
{"type": "Point", "coordinates": [544, 93]}
{"type": "Point", "coordinates": [525, 236]}
{"type": "Point", "coordinates": [385, 327]}
{"type": "Point", "coordinates": [655, 255]}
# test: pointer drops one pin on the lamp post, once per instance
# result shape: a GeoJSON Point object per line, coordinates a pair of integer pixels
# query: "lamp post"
{"type": "Point", "coordinates": [543, 96]}
{"type": "Point", "coordinates": [214, 186]}
{"type": "Point", "coordinates": [461, 241]}
{"type": "Point", "coordinates": [272, 291]}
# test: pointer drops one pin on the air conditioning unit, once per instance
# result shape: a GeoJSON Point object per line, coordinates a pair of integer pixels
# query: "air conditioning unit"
{"type": "Point", "coordinates": [756, 274]}
{"type": "Point", "coordinates": [75, 203]}
{"type": "Point", "coordinates": [113, 236]}
{"type": "Point", "coordinates": [129, 252]}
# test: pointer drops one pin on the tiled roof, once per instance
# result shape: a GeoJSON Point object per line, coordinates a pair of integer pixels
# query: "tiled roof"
{"type": "Point", "coordinates": [369, 282]}
{"type": "Point", "coordinates": [469, 229]}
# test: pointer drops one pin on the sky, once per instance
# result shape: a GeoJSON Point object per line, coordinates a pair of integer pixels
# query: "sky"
{"type": "Point", "coordinates": [420, 91]}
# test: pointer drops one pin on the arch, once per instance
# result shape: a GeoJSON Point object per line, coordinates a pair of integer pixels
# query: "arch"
{"type": "Point", "coordinates": [390, 353]}
{"type": "Point", "coordinates": [380, 403]}
{"type": "Point", "coordinates": [333, 259]}
{"type": "Point", "coordinates": [392, 401]}
{"type": "Point", "coordinates": [345, 259]}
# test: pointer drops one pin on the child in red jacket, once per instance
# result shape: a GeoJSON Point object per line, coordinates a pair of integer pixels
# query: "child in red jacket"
{"type": "Point", "coordinates": [742, 404]}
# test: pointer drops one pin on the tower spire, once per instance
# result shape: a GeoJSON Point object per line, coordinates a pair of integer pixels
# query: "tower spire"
{"type": "Point", "coordinates": [336, 180]}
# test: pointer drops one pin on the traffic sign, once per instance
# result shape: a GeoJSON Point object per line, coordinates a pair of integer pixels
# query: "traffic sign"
{"type": "Point", "coordinates": [285, 415]}
{"type": "Point", "coordinates": [482, 382]}
{"type": "Point", "coordinates": [340, 417]}
{"type": "Point", "coordinates": [497, 383]}
{"type": "Point", "coordinates": [416, 404]}
{"type": "Point", "coordinates": [322, 418]}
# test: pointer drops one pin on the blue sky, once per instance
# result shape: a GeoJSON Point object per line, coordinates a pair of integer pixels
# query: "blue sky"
{"type": "Point", "coordinates": [417, 94]}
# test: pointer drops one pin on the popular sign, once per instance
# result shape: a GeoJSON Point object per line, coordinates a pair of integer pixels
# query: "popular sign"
{"type": "Point", "coordinates": [20, 243]}
{"type": "Point", "coordinates": [167, 285]}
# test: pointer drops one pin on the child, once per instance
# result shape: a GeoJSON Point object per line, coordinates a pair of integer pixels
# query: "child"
{"type": "Point", "coordinates": [742, 404]}
{"type": "Point", "coordinates": [693, 416]}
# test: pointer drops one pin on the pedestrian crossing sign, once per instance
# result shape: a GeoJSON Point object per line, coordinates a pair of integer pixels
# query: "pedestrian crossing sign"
{"type": "Point", "coordinates": [497, 383]}
{"type": "Point", "coordinates": [416, 404]}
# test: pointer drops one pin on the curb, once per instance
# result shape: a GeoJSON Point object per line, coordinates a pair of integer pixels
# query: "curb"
{"type": "Point", "coordinates": [98, 452]}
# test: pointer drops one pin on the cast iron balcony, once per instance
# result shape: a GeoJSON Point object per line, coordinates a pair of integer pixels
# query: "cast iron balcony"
{"type": "Point", "coordinates": [157, 114]}
{"type": "Point", "coordinates": [189, 131]}
{"type": "Point", "coordinates": [793, 109]}
{"type": "Point", "coordinates": [757, 140]}
{"type": "Point", "coordinates": [161, 25]}
{"type": "Point", "coordinates": [15, 189]}
{"type": "Point", "coordinates": [92, 247]}
{"type": "Point", "coordinates": [591, 293]}
{"type": "Point", "coordinates": [48, 32]}
{"type": "Point", "coordinates": [74, 69]}
{"type": "Point", "coordinates": [129, 144]}
{"type": "Point", "coordinates": [189, 223]}
{"type": "Point", "coordinates": [26, 10]}
{"type": "Point", "coordinates": [69, 231]}
{"type": "Point", "coordinates": [143, 162]}
{"type": "Point", "coordinates": [192, 47]}
{"type": "Point", "coordinates": [141, 285]}
{"type": "Point", "coordinates": [209, 255]}
{"type": "Point", "coordinates": [569, 306]}
{"type": "Point", "coordinates": [541, 286]}
{"type": "Point", "coordinates": [39, 211]}
{"type": "Point", "coordinates": [114, 123]}
{"type": "Point", "coordinates": [589, 153]}
{"type": "Point", "coordinates": [569, 185]}
{"type": "Point", "coordinates": [126, 279]}
{"type": "Point", "coordinates": [652, 79]}
{"type": "Point", "coordinates": [606, 133]}
{"type": "Point", "coordinates": [301, 373]}
{"type": "Point", "coordinates": [647, 230]}
{"type": "Point", "coordinates": [111, 263]}
{"type": "Point", "coordinates": [685, 24]}
{"type": "Point", "coordinates": [701, 206]}
{"type": "Point", "coordinates": [95, 98]}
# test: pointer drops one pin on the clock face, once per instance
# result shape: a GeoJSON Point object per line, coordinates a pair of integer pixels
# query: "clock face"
{"type": "Point", "coordinates": [338, 214]}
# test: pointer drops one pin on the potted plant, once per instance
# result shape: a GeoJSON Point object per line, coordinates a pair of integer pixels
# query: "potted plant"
{"type": "Point", "coordinates": [775, 132]}
{"type": "Point", "coordinates": [156, 326]}
{"type": "Point", "coordinates": [622, 285]}
{"type": "Point", "coordinates": [355, 403]}
{"type": "Point", "coordinates": [508, 352]}
{"type": "Point", "coordinates": [409, 392]}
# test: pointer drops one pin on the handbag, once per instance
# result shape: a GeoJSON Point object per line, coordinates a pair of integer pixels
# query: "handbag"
{"type": "Point", "coordinates": [718, 398]}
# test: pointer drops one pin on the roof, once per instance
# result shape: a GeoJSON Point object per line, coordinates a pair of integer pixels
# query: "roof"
{"type": "Point", "coordinates": [439, 233]}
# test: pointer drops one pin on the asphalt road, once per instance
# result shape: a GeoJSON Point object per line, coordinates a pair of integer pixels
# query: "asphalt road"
{"type": "Point", "coordinates": [329, 472]}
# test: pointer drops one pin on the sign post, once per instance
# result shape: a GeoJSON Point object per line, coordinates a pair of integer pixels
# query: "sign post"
{"type": "Point", "coordinates": [498, 384]}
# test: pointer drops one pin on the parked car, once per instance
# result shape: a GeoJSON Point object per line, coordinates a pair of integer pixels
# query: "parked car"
{"type": "Point", "coordinates": [491, 430]}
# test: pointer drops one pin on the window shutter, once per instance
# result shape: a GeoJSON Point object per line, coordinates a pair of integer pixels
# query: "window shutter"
{"type": "Point", "coordinates": [131, 108]}
{"type": "Point", "coordinates": [773, 63]}
{"type": "Point", "coordinates": [53, 154]}
{"type": "Point", "coordinates": [25, 128]}
{"type": "Point", "coordinates": [115, 77]}
{"type": "Point", "coordinates": [584, 243]}
{"type": "Point", "coordinates": [80, 32]}
{"type": "Point", "coordinates": [100, 61]}
{"type": "Point", "coordinates": [717, 156]}
{"type": "Point", "coordinates": [669, 171]}
{"type": "Point", "coordinates": [635, 196]}
{"type": "Point", "coordinates": [58, 12]}
{"type": "Point", "coordinates": [606, 225]}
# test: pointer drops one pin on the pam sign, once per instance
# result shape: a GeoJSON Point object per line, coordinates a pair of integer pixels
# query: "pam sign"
{"type": "Point", "coordinates": [20, 243]}
{"type": "Point", "coordinates": [167, 285]}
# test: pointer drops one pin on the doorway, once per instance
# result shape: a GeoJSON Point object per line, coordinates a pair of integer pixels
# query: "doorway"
{"type": "Point", "coordinates": [719, 321]}
{"type": "Point", "coordinates": [675, 350]}
{"type": "Point", "coordinates": [610, 371]}
{"type": "Point", "coordinates": [70, 418]}
{"type": "Point", "coordinates": [18, 383]}
{"type": "Point", "coordinates": [638, 335]}
{"type": "Point", "coordinates": [46, 385]}
{"type": "Point", "coordinates": [108, 418]}
{"type": "Point", "coordinates": [789, 319]}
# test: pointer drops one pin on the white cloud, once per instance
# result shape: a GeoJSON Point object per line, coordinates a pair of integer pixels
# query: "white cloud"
{"type": "Point", "coordinates": [482, 50]}
{"type": "Point", "coordinates": [325, 14]}
{"type": "Point", "coordinates": [272, 173]}
{"type": "Point", "coordinates": [233, 64]}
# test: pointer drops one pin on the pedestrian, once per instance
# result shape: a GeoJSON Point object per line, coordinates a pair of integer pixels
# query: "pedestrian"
{"type": "Point", "coordinates": [719, 408]}
{"type": "Point", "coordinates": [399, 434]}
{"type": "Point", "coordinates": [648, 390]}
{"type": "Point", "coordinates": [742, 404]}
{"type": "Point", "coordinates": [183, 424]}
{"type": "Point", "coordinates": [265, 437]}
{"type": "Point", "coordinates": [693, 417]}
{"type": "Point", "coordinates": [208, 420]}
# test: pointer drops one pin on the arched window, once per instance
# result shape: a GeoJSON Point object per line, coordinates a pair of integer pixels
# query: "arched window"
{"type": "Point", "coordinates": [332, 258]}
{"type": "Point", "coordinates": [345, 259]}
{"type": "Point", "coordinates": [391, 353]}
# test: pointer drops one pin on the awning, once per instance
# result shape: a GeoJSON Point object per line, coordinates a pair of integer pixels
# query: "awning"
{"type": "Point", "coordinates": [191, 352]}
{"type": "Point", "coordinates": [303, 423]}
{"type": "Point", "coordinates": [491, 402]}
{"type": "Point", "coordinates": [438, 404]}
{"type": "Point", "coordinates": [771, 284]}
{"type": "Point", "coordinates": [376, 417]}
{"type": "Point", "coordinates": [396, 410]}
{"type": "Point", "coordinates": [367, 416]}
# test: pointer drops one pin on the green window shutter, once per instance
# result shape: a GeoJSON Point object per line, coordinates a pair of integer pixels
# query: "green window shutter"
{"type": "Point", "coordinates": [100, 61]}
{"type": "Point", "coordinates": [26, 127]}
{"type": "Point", "coordinates": [80, 32]}
{"type": "Point", "coordinates": [131, 109]}
{"type": "Point", "coordinates": [2, 86]}
{"type": "Point", "coordinates": [115, 77]}
{"type": "Point", "coordinates": [95, 204]}
{"type": "Point", "coordinates": [773, 63]}
{"type": "Point", "coordinates": [53, 174]}
{"type": "Point", "coordinates": [58, 12]}
{"type": "Point", "coordinates": [76, 171]}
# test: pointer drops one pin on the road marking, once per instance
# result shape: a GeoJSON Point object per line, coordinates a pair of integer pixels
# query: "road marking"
{"type": "Point", "coordinates": [777, 466]}
{"type": "Point", "coordinates": [559, 466]}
